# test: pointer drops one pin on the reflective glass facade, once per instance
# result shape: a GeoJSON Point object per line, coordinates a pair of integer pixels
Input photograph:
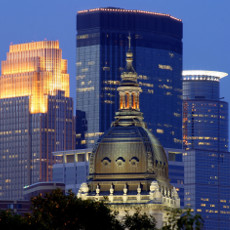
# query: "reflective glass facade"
{"type": "Point", "coordinates": [207, 186]}
{"type": "Point", "coordinates": [36, 115]}
{"type": "Point", "coordinates": [205, 116]}
{"type": "Point", "coordinates": [206, 126]}
{"type": "Point", "coordinates": [206, 158]}
{"type": "Point", "coordinates": [101, 47]}
{"type": "Point", "coordinates": [27, 141]}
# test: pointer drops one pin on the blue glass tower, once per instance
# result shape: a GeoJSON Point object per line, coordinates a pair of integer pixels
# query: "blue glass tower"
{"type": "Point", "coordinates": [205, 138]}
{"type": "Point", "coordinates": [101, 46]}
{"type": "Point", "coordinates": [207, 186]}
{"type": "Point", "coordinates": [205, 116]}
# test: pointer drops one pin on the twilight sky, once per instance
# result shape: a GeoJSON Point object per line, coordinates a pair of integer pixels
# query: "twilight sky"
{"type": "Point", "coordinates": [206, 28]}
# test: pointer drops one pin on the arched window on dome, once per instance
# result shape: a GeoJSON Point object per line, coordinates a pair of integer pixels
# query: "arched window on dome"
{"type": "Point", "coordinates": [127, 101]}
{"type": "Point", "coordinates": [134, 105]}
{"type": "Point", "coordinates": [138, 107]}
{"type": "Point", "coordinates": [121, 101]}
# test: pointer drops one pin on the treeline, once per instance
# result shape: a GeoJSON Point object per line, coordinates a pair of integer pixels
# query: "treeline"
{"type": "Point", "coordinates": [56, 211]}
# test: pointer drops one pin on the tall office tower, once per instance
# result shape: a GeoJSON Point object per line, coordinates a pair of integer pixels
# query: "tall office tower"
{"type": "Point", "coordinates": [206, 158]}
{"type": "Point", "coordinates": [36, 115]}
{"type": "Point", "coordinates": [101, 46]}
{"type": "Point", "coordinates": [205, 115]}
{"type": "Point", "coordinates": [207, 186]}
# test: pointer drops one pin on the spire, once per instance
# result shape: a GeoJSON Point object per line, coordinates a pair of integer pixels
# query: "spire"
{"type": "Point", "coordinates": [129, 37]}
{"type": "Point", "coordinates": [129, 57]}
{"type": "Point", "coordinates": [129, 91]}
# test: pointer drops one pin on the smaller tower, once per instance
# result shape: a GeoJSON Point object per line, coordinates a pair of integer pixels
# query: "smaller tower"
{"type": "Point", "coordinates": [205, 114]}
{"type": "Point", "coordinates": [205, 137]}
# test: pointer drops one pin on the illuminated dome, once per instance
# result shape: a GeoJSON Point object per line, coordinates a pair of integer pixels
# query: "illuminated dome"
{"type": "Point", "coordinates": [128, 165]}
{"type": "Point", "coordinates": [128, 153]}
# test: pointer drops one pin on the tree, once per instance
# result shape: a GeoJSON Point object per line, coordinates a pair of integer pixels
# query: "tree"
{"type": "Point", "coordinates": [58, 211]}
{"type": "Point", "coordinates": [139, 221]}
{"type": "Point", "coordinates": [187, 220]}
{"type": "Point", "coordinates": [173, 216]}
{"type": "Point", "coordinates": [190, 221]}
{"type": "Point", "coordinates": [12, 221]}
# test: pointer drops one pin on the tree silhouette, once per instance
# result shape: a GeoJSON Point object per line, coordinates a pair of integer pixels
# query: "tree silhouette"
{"type": "Point", "coordinates": [12, 221]}
{"type": "Point", "coordinates": [59, 211]}
{"type": "Point", "coordinates": [183, 220]}
{"type": "Point", "coordinates": [56, 211]}
{"type": "Point", "coordinates": [139, 221]}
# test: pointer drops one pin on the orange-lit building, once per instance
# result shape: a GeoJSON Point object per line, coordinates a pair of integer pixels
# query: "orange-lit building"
{"type": "Point", "coordinates": [36, 115]}
{"type": "Point", "coordinates": [34, 69]}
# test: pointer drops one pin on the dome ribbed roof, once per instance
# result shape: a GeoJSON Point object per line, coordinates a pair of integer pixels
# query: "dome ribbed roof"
{"type": "Point", "coordinates": [128, 149]}
{"type": "Point", "coordinates": [128, 153]}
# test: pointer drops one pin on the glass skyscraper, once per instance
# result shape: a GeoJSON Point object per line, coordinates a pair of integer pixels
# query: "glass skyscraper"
{"type": "Point", "coordinates": [101, 46]}
{"type": "Point", "coordinates": [207, 186]}
{"type": "Point", "coordinates": [205, 115]}
{"type": "Point", "coordinates": [206, 157]}
{"type": "Point", "coordinates": [36, 115]}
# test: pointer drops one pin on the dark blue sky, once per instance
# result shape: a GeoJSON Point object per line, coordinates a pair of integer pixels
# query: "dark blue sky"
{"type": "Point", "coordinates": [206, 28]}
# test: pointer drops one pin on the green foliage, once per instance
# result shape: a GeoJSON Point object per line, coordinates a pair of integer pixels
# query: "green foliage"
{"type": "Point", "coordinates": [187, 220]}
{"type": "Point", "coordinates": [12, 221]}
{"type": "Point", "coordinates": [190, 221]}
{"type": "Point", "coordinates": [139, 221]}
{"type": "Point", "coordinates": [58, 211]}
{"type": "Point", "coordinates": [173, 216]}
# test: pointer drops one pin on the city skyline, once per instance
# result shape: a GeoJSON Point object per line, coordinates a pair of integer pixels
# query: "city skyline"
{"type": "Point", "coordinates": [205, 33]}
{"type": "Point", "coordinates": [205, 48]}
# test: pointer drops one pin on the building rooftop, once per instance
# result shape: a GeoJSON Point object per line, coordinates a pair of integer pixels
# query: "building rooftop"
{"type": "Point", "coordinates": [203, 75]}
{"type": "Point", "coordinates": [120, 10]}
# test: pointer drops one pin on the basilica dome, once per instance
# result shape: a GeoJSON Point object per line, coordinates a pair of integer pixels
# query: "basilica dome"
{"type": "Point", "coordinates": [128, 153]}
{"type": "Point", "coordinates": [128, 165]}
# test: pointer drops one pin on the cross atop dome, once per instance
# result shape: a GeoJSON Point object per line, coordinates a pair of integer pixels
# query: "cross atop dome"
{"type": "Point", "coordinates": [129, 37]}
{"type": "Point", "coordinates": [129, 57]}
